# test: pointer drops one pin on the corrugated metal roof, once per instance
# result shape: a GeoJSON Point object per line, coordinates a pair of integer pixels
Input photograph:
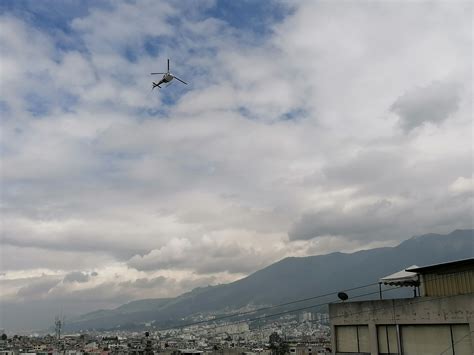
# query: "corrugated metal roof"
{"type": "Point", "coordinates": [443, 266]}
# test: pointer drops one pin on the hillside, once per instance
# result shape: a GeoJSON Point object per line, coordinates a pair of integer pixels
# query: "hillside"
{"type": "Point", "coordinates": [291, 278]}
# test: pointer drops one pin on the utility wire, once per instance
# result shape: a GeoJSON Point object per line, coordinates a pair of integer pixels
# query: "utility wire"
{"type": "Point", "coordinates": [296, 310]}
{"type": "Point", "coordinates": [423, 299]}
{"type": "Point", "coordinates": [265, 316]}
{"type": "Point", "coordinates": [327, 303]}
{"type": "Point", "coordinates": [238, 314]}
{"type": "Point", "coordinates": [353, 313]}
{"type": "Point", "coordinates": [302, 308]}
{"type": "Point", "coordinates": [337, 316]}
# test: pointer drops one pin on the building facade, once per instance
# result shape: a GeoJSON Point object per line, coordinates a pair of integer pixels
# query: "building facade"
{"type": "Point", "coordinates": [440, 321]}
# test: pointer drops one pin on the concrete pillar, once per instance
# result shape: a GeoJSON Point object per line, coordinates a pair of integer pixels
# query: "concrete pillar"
{"type": "Point", "coordinates": [471, 329]}
{"type": "Point", "coordinates": [332, 315]}
{"type": "Point", "coordinates": [333, 339]}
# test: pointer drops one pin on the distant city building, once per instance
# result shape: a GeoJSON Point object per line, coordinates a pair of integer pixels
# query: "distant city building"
{"type": "Point", "coordinates": [441, 320]}
{"type": "Point", "coordinates": [236, 328]}
{"type": "Point", "coordinates": [306, 317]}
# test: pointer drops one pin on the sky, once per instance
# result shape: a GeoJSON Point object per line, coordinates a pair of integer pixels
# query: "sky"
{"type": "Point", "coordinates": [307, 127]}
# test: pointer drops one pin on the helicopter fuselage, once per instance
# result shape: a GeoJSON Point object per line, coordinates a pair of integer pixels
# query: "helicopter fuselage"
{"type": "Point", "coordinates": [167, 77]}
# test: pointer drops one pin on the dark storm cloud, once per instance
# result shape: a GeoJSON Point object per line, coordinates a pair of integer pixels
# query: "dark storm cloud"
{"type": "Point", "coordinates": [433, 103]}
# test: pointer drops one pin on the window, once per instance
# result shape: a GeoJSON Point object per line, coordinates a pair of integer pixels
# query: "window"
{"type": "Point", "coordinates": [454, 339]}
{"type": "Point", "coordinates": [387, 339]}
{"type": "Point", "coordinates": [352, 339]}
{"type": "Point", "coordinates": [461, 339]}
{"type": "Point", "coordinates": [425, 339]}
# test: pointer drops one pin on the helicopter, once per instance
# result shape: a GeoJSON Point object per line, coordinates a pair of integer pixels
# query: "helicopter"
{"type": "Point", "coordinates": [167, 77]}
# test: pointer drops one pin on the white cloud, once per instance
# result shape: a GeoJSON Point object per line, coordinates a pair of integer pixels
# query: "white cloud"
{"type": "Point", "coordinates": [434, 103]}
{"type": "Point", "coordinates": [462, 185]}
{"type": "Point", "coordinates": [233, 251]}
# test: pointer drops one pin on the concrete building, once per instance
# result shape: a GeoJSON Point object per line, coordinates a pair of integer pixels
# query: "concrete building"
{"type": "Point", "coordinates": [439, 321]}
{"type": "Point", "coordinates": [306, 349]}
{"type": "Point", "coordinates": [306, 317]}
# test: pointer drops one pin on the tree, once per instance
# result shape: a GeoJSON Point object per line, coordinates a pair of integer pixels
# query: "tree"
{"type": "Point", "coordinates": [4, 337]}
{"type": "Point", "coordinates": [277, 345]}
{"type": "Point", "coordinates": [274, 339]}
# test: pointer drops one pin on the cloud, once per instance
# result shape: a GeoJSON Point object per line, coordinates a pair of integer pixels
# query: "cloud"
{"type": "Point", "coordinates": [38, 288]}
{"type": "Point", "coordinates": [434, 103]}
{"type": "Point", "coordinates": [217, 252]}
{"type": "Point", "coordinates": [462, 185]}
{"type": "Point", "coordinates": [368, 221]}
{"type": "Point", "coordinates": [158, 281]}
{"type": "Point", "coordinates": [76, 276]}
{"type": "Point", "coordinates": [365, 167]}
{"type": "Point", "coordinates": [31, 302]}
{"type": "Point", "coordinates": [361, 220]}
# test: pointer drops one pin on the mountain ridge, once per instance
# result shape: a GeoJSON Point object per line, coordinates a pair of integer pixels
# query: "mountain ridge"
{"type": "Point", "coordinates": [293, 278]}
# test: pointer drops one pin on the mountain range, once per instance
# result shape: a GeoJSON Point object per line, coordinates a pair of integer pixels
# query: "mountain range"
{"type": "Point", "coordinates": [289, 279]}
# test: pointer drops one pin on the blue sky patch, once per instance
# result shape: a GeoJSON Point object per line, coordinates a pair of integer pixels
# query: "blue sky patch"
{"type": "Point", "coordinates": [295, 114]}
{"type": "Point", "coordinates": [152, 46]}
{"type": "Point", "coordinates": [130, 54]}
{"type": "Point", "coordinates": [53, 17]}
{"type": "Point", "coordinates": [68, 101]}
{"type": "Point", "coordinates": [37, 105]}
{"type": "Point", "coordinates": [250, 15]}
{"type": "Point", "coordinates": [245, 112]}
{"type": "Point", "coordinates": [4, 109]}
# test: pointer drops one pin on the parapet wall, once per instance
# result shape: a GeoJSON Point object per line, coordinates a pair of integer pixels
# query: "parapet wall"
{"type": "Point", "coordinates": [419, 310]}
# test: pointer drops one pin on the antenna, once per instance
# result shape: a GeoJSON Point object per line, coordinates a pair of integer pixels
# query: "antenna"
{"type": "Point", "coordinates": [168, 65]}
{"type": "Point", "coordinates": [59, 324]}
{"type": "Point", "coordinates": [57, 327]}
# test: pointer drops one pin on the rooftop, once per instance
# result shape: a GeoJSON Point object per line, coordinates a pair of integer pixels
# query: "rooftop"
{"type": "Point", "coordinates": [463, 263]}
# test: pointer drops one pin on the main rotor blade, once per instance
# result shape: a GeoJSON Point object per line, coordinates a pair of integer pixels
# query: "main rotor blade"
{"type": "Point", "coordinates": [180, 80]}
{"type": "Point", "coordinates": [168, 65]}
{"type": "Point", "coordinates": [156, 73]}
